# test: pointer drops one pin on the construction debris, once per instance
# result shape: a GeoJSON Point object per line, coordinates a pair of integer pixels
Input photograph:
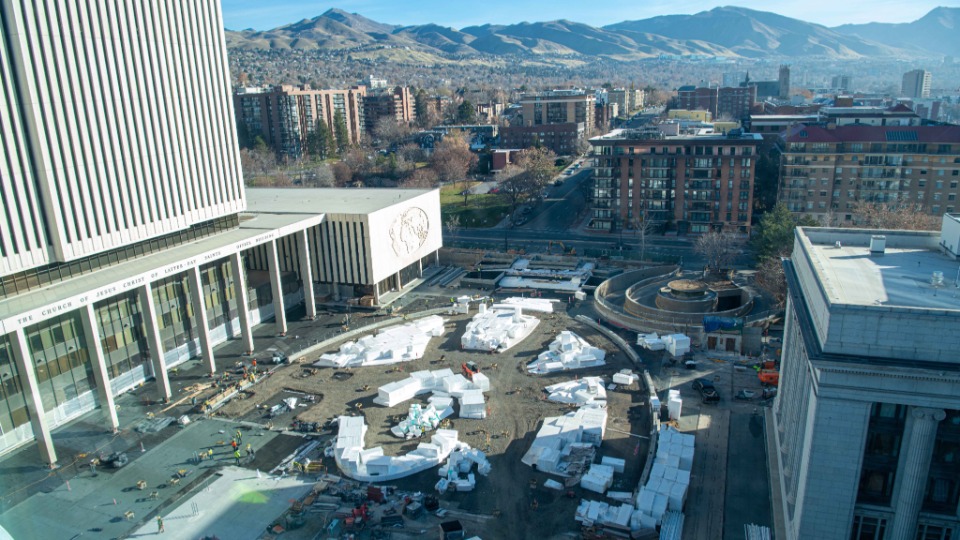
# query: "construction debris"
{"type": "Point", "coordinates": [498, 328]}
{"type": "Point", "coordinates": [587, 391]}
{"type": "Point", "coordinates": [371, 465]}
{"type": "Point", "coordinates": [568, 351]}
{"type": "Point", "coordinates": [396, 344]}
{"type": "Point", "coordinates": [566, 444]}
{"type": "Point", "coordinates": [456, 474]}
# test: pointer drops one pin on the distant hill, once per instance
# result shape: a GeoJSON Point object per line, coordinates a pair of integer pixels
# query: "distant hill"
{"type": "Point", "coordinates": [723, 31]}
{"type": "Point", "coordinates": [746, 32]}
{"type": "Point", "coordinates": [936, 32]}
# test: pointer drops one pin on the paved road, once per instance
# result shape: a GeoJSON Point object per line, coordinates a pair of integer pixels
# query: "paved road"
{"type": "Point", "coordinates": [564, 206]}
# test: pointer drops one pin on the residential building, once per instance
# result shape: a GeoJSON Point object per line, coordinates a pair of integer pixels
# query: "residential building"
{"type": "Point", "coordinates": [896, 115]}
{"type": "Point", "coordinates": [604, 115]}
{"type": "Point", "coordinates": [771, 125]}
{"type": "Point", "coordinates": [827, 171]}
{"type": "Point", "coordinates": [866, 424]}
{"type": "Point", "coordinates": [693, 184]}
{"type": "Point", "coordinates": [128, 243]}
{"type": "Point", "coordinates": [732, 102]}
{"type": "Point", "coordinates": [699, 115]}
{"type": "Point", "coordinates": [562, 139]}
{"type": "Point", "coordinates": [783, 80]}
{"type": "Point", "coordinates": [916, 84]}
{"type": "Point", "coordinates": [733, 78]}
{"type": "Point", "coordinates": [558, 107]}
{"type": "Point", "coordinates": [841, 83]}
{"type": "Point", "coordinates": [394, 103]}
{"type": "Point", "coordinates": [284, 115]}
{"type": "Point", "coordinates": [628, 100]}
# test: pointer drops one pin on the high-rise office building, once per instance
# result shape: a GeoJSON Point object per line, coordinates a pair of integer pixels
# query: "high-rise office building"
{"type": "Point", "coordinates": [127, 242]}
{"type": "Point", "coordinates": [866, 428]}
{"type": "Point", "coordinates": [916, 84]}
{"type": "Point", "coordinates": [102, 152]}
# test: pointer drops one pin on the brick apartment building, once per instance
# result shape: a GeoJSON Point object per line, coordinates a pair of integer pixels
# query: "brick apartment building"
{"type": "Point", "coordinates": [558, 120]}
{"type": "Point", "coordinates": [827, 171]}
{"type": "Point", "coordinates": [395, 103]}
{"type": "Point", "coordinates": [734, 102]}
{"type": "Point", "coordinates": [693, 184]}
{"type": "Point", "coordinates": [284, 115]}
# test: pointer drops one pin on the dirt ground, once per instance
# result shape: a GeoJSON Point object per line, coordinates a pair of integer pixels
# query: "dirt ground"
{"type": "Point", "coordinates": [516, 408]}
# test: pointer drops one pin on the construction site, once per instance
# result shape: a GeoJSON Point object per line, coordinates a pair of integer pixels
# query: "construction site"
{"type": "Point", "coordinates": [470, 416]}
{"type": "Point", "coordinates": [503, 502]}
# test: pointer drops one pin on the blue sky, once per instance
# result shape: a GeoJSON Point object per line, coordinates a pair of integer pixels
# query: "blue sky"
{"type": "Point", "coordinates": [266, 14]}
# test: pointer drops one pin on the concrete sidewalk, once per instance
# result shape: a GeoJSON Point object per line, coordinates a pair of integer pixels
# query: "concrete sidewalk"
{"type": "Point", "coordinates": [110, 504]}
{"type": "Point", "coordinates": [236, 505]}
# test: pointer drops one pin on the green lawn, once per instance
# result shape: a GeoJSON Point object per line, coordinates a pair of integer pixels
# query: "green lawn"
{"type": "Point", "coordinates": [481, 210]}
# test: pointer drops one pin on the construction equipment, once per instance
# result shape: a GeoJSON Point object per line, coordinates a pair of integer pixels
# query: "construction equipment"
{"type": "Point", "coordinates": [469, 369]}
{"type": "Point", "coordinates": [769, 376]}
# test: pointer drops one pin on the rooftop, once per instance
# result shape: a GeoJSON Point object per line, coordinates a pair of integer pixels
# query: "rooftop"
{"type": "Point", "coordinates": [640, 135]}
{"type": "Point", "coordinates": [40, 304]}
{"type": "Point", "coordinates": [901, 277]}
{"type": "Point", "coordinates": [864, 133]}
{"type": "Point", "coordinates": [326, 200]}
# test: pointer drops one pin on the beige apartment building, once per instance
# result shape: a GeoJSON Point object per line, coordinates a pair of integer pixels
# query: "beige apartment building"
{"type": "Point", "coordinates": [825, 172]}
{"type": "Point", "coordinates": [285, 115]}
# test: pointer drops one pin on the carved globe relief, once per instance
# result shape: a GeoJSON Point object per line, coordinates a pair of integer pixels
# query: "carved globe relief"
{"type": "Point", "coordinates": [409, 231]}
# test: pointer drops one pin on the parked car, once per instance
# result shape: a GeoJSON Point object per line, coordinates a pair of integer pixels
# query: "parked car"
{"type": "Point", "coordinates": [708, 392]}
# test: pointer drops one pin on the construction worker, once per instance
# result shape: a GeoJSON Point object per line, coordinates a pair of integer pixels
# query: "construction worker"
{"type": "Point", "coordinates": [239, 436]}
{"type": "Point", "coordinates": [236, 455]}
{"type": "Point", "coordinates": [159, 525]}
{"type": "Point", "coordinates": [234, 444]}
{"type": "Point", "coordinates": [250, 452]}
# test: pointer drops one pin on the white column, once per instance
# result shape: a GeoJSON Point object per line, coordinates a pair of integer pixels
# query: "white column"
{"type": "Point", "coordinates": [399, 283]}
{"type": "Point", "coordinates": [306, 274]}
{"type": "Point", "coordinates": [31, 394]}
{"type": "Point", "coordinates": [99, 364]}
{"type": "Point", "coordinates": [200, 317]}
{"type": "Point", "coordinates": [148, 310]}
{"type": "Point", "coordinates": [243, 300]}
{"type": "Point", "coordinates": [420, 267]}
{"type": "Point", "coordinates": [916, 467]}
{"type": "Point", "coordinates": [273, 265]}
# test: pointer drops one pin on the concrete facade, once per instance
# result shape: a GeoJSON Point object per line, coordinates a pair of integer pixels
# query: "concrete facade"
{"type": "Point", "coordinates": [869, 372]}
{"type": "Point", "coordinates": [132, 248]}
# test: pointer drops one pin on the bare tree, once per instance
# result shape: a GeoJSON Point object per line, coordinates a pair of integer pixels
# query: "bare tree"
{"type": "Point", "coordinates": [452, 160]}
{"type": "Point", "coordinates": [390, 132]}
{"type": "Point", "coordinates": [539, 163]}
{"type": "Point", "coordinates": [643, 228]}
{"type": "Point", "coordinates": [420, 178]}
{"type": "Point", "coordinates": [324, 176]}
{"type": "Point", "coordinates": [452, 224]}
{"type": "Point", "coordinates": [904, 216]}
{"type": "Point", "coordinates": [771, 278]}
{"type": "Point", "coordinates": [516, 185]}
{"type": "Point", "coordinates": [342, 174]}
{"type": "Point", "coordinates": [720, 249]}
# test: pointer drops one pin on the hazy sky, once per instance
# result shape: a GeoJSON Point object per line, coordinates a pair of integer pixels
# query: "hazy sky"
{"type": "Point", "coordinates": [266, 14]}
